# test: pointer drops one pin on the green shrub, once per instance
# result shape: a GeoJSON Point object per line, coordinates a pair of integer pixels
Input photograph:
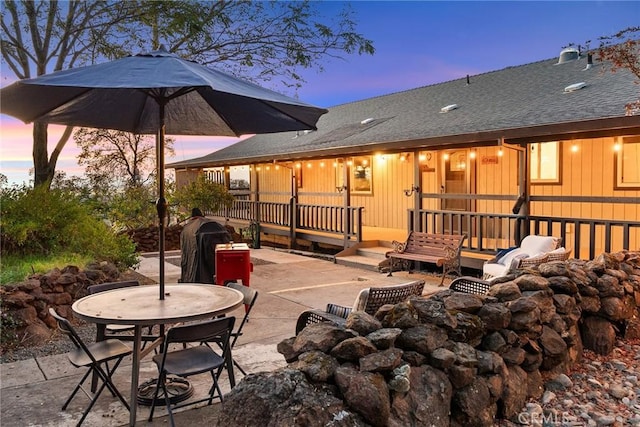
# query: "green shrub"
{"type": "Point", "coordinates": [41, 221]}
{"type": "Point", "coordinates": [133, 207]}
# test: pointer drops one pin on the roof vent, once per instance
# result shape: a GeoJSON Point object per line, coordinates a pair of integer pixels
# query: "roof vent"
{"type": "Point", "coordinates": [367, 121]}
{"type": "Point", "coordinates": [568, 54]}
{"type": "Point", "coordinates": [589, 61]}
{"type": "Point", "coordinates": [448, 108]}
{"type": "Point", "coordinates": [574, 87]}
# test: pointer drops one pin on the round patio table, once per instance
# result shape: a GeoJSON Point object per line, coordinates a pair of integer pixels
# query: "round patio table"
{"type": "Point", "coordinates": [140, 306]}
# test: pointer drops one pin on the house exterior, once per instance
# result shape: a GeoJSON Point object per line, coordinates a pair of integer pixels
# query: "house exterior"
{"type": "Point", "coordinates": [544, 148]}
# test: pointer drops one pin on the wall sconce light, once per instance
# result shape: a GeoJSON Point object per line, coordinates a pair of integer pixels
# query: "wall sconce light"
{"type": "Point", "coordinates": [341, 188]}
{"type": "Point", "coordinates": [413, 189]}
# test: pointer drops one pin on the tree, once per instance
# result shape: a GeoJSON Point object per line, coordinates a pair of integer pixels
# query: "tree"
{"type": "Point", "coordinates": [204, 194]}
{"type": "Point", "coordinates": [622, 50]}
{"type": "Point", "coordinates": [123, 157]}
{"type": "Point", "coordinates": [255, 40]}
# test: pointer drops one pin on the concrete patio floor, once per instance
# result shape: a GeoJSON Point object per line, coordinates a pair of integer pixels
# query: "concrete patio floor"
{"type": "Point", "coordinates": [32, 391]}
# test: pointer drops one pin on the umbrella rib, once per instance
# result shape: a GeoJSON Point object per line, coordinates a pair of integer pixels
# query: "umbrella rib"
{"type": "Point", "coordinates": [160, 97]}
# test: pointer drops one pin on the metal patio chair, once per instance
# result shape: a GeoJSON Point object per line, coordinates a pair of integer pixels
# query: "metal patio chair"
{"type": "Point", "coordinates": [194, 360]}
{"type": "Point", "coordinates": [368, 300]}
{"type": "Point", "coordinates": [95, 357]}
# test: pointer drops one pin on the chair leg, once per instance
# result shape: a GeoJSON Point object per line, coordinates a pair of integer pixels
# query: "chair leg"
{"type": "Point", "coordinates": [215, 387]}
{"type": "Point", "coordinates": [239, 368]}
{"type": "Point", "coordinates": [155, 396]}
{"type": "Point", "coordinates": [106, 383]}
{"type": "Point", "coordinates": [78, 387]}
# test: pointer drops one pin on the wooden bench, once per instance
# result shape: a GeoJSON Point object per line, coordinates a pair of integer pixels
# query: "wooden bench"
{"type": "Point", "coordinates": [440, 249]}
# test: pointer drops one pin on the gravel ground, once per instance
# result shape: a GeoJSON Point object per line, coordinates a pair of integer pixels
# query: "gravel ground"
{"type": "Point", "coordinates": [600, 391]}
{"type": "Point", "coordinates": [56, 345]}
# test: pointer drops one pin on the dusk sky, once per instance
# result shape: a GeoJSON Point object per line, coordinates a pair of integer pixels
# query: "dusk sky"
{"type": "Point", "coordinates": [417, 44]}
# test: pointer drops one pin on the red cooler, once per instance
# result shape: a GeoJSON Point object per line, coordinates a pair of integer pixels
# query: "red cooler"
{"type": "Point", "coordinates": [233, 262]}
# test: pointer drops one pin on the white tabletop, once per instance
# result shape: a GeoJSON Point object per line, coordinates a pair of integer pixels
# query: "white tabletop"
{"type": "Point", "coordinates": [141, 305]}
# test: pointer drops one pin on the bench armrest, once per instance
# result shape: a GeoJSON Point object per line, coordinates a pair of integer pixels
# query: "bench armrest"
{"type": "Point", "coordinates": [398, 247]}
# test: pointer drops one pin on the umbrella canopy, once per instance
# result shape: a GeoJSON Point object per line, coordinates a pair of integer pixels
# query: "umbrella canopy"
{"type": "Point", "coordinates": [156, 93]}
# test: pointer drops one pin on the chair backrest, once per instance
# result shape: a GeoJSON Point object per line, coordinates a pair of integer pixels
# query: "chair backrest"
{"type": "Point", "coordinates": [66, 328]}
{"type": "Point", "coordinates": [215, 330]}
{"type": "Point", "coordinates": [250, 297]}
{"type": "Point", "coordinates": [107, 286]}
{"type": "Point", "coordinates": [371, 299]}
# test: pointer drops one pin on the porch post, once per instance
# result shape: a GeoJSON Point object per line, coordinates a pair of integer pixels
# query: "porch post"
{"type": "Point", "coordinates": [293, 205]}
{"type": "Point", "coordinates": [256, 206]}
{"type": "Point", "coordinates": [524, 187]}
{"type": "Point", "coordinates": [417, 195]}
{"type": "Point", "coordinates": [346, 201]}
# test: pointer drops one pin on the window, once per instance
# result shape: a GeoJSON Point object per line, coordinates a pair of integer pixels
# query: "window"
{"type": "Point", "coordinates": [361, 175]}
{"type": "Point", "coordinates": [627, 164]}
{"type": "Point", "coordinates": [545, 162]}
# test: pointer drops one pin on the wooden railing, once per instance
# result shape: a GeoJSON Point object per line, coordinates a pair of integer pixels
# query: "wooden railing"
{"type": "Point", "coordinates": [487, 232]}
{"type": "Point", "coordinates": [346, 222]}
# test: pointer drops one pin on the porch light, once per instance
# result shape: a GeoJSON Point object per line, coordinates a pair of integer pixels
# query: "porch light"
{"type": "Point", "coordinates": [321, 164]}
{"type": "Point", "coordinates": [381, 158]}
{"type": "Point", "coordinates": [349, 162]}
{"type": "Point", "coordinates": [403, 157]}
{"type": "Point", "coordinates": [472, 154]}
{"type": "Point", "coordinates": [617, 147]}
{"type": "Point", "coordinates": [268, 167]}
{"type": "Point", "coordinates": [500, 153]}
{"type": "Point", "coordinates": [308, 165]}
{"type": "Point", "coordinates": [574, 148]}
{"type": "Point", "coordinates": [258, 168]}
{"type": "Point", "coordinates": [335, 164]}
{"type": "Point", "coordinates": [445, 156]}
{"type": "Point", "coordinates": [277, 167]}
{"type": "Point", "coordinates": [422, 157]}
{"type": "Point", "coordinates": [298, 165]}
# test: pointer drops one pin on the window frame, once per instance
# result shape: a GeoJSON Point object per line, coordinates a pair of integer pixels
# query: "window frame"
{"type": "Point", "coordinates": [557, 180]}
{"type": "Point", "coordinates": [618, 168]}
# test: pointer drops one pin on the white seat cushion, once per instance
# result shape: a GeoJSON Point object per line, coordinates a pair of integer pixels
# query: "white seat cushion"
{"type": "Point", "coordinates": [538, 245]}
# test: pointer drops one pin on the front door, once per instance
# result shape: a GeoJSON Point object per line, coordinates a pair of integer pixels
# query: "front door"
{"type": "Point", "coordinates": [456, 180]}
{"type": "Point", "coordinates": [457, 175]}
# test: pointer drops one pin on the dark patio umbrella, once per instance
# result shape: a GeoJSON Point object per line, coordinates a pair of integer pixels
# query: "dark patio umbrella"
{"type": "Point", "coordinates": [156, 93]}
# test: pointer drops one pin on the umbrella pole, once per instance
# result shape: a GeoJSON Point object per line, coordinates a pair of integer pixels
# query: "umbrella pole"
{"type": "Point", "coordinates": [161, 203]}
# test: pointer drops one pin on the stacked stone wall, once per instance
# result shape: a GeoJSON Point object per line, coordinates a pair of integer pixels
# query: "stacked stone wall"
{"type": "Point", "coordinates": [449, 358]}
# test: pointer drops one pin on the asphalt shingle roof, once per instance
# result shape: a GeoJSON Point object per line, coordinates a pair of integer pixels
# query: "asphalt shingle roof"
{"type": "Point", "coordinates": [516, 102]}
